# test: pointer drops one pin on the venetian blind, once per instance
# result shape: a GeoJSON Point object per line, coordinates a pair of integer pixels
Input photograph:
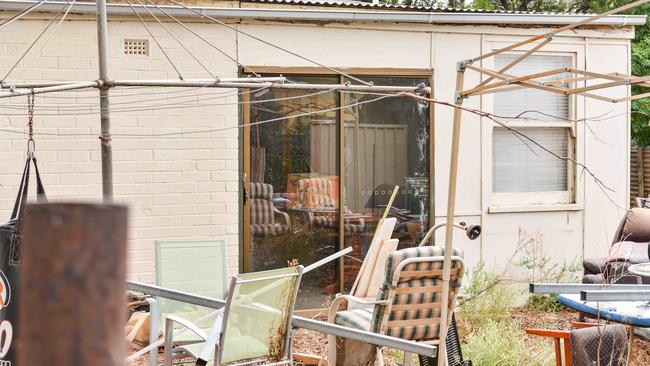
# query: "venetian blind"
{"type": "Point", "coordinates": [517, 164]}
{"type": "Point", "coordinates": [509, 104]}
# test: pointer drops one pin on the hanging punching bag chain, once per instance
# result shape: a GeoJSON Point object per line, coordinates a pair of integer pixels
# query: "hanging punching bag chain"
{"type": "Point", "coordinates": [30, 123]}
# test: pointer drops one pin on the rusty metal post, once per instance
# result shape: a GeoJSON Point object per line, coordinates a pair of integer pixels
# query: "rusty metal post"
{"type": "Point", "coordinates": [72, 292]}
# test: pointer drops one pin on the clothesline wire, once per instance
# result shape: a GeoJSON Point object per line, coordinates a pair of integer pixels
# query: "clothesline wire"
{"type": "Point", "coordinates": [82, 106]}
{"type": "Point", "coordinates": [80, 112]}
{"type": "Point", "coordinates": [199, 36]}
{"type": "Point", "coordinates": [21, 14]}
{"type": "Point", "coordinates": [270, 44]}
{"type": "Point", "coordinates": [29, 60]}
{"type": "Point", "coordinates": [211, 130]}
{"type": "Point", "coordinates": [49, 24]}
{"type": "Point", "coordinates": [177, 40]}
{"type": "Point", "coordinates": [180, 76]}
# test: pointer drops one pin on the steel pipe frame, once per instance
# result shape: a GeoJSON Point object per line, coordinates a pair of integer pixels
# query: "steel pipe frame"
{"type": "Point", "coordinates": [615, 295]}
{"type": "Point", "coordinates": [576, 288]}
{"type": "Point", "coordinates": [39, 88]}
{"type": "Point", "coordinates": [51, 89]}
{"type": "Point", "coordinates": [297, 322]}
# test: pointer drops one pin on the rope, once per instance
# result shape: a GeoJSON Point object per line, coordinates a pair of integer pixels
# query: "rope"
{"type": "Point", "coordinates": [155, 40]}
{"type": "Point", "coordinates": [178, 41]}
{"type": "Point", "coordinates": [271, 44]}
{"type": "Point", "coordinates": [203, 39]}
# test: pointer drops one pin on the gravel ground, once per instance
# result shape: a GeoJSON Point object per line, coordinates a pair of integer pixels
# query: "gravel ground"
{"type": "Point", "coordinates": [315, 343]}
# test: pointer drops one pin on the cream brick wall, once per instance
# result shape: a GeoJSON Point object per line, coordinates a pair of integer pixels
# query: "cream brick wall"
{"type": "Point", "coordinates": [177, 188]}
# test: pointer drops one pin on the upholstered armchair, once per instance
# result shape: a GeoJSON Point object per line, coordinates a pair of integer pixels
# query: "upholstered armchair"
{"type": "Point", "coordinates": [629, 246]}
{"type": "Point", "coordinates": [264, 214]}
{"type": "Point", "coordinates": [319, 194]}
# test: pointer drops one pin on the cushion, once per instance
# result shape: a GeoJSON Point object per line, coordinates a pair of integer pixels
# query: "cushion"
{"type": "Point", "coordinates": [268, 229]}
{"type": "Point", "coordinates": [593, 278]}
{"type": "Point", "coordinates": [424, 329]}
{"type": "Point", "coordinates": [355, 318]}
{"type": "Point", "coordinates": [594, 265]}
{"type": "Point", "coordinates": [262, 191]}
{"type": "Point", "coordinates": [629, 252]}
{"type": "Point", "coordinates": [636, 226]}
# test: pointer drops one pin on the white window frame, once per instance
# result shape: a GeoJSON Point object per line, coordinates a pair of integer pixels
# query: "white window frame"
{"type": "Point", "coordinates": [572, 198]}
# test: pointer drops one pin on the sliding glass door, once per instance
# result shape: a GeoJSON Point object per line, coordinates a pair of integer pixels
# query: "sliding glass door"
{"type": "Point", "coordinates": [319, 168]}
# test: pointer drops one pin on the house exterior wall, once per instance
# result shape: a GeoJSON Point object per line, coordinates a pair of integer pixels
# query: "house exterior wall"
{"type": "Point", "coordinates": [189, 188]}
{"type": "Point", "coordinates": [177, 188]}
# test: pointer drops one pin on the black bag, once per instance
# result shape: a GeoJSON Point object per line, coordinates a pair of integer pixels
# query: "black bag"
{"type": "Point", "coordinates": [10, 258]}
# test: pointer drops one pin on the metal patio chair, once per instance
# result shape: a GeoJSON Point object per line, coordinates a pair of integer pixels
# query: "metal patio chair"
{"type": "Point", "coordinates": [408, 305]}
{"type": "Point", "coordinates": [254, 326]}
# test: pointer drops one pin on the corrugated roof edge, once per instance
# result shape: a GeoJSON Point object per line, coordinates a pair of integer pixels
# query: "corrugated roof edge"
{"type": "Point", "coordinates": [341, 15]}
{"type": "Point", "coordinates": [434, 9]}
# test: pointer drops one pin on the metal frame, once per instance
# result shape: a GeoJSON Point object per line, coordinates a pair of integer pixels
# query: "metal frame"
{"type": "Point", "coordinates": [527, 81]}
{"type": "Point", "coordinates": [318, 71]}
{"type": "Point", "coordinates": [297, 321]}
{"type": "Point", "coordinates": [507, 81]}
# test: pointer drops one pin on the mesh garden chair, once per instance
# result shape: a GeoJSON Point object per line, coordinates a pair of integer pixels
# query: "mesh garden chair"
{"type": "Point", "coordinates": [253, 327]}
{"type": "Point", "coordinates": [408, 305]}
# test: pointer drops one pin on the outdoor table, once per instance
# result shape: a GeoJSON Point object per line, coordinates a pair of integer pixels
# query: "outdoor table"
{"type": "Point", "coordinates": [633, 313]}
{"type": "Point", "coordinates": [641, 269]}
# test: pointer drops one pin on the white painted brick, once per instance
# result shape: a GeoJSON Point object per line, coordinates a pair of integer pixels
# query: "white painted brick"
{"type": "Point", "coordinates": [168, 182]}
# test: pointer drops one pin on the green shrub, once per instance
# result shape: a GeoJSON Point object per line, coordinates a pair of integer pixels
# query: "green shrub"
{"type": "Point", "coordinates": [487, 298]}
{"type": "Point", "coordinates": [547, 303]}
{"type": "Point", "coordinates": [503, 343]}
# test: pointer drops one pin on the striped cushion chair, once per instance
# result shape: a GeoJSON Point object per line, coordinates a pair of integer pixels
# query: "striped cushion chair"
{"type": "Point", "coordinates": [408, 305]}
{"type": "Point", "coordinates": [263, 212]}
{"type": "Point", "coordinates": [319, 193]}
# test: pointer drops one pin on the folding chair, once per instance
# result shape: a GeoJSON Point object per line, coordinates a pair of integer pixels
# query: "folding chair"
{"type": "Point", "coordinates": [254, 325]}
{"type": "Point", "coordinates": [408, 305]}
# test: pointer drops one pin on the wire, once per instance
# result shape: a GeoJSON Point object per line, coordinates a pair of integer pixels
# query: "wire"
{"type": "Point", "coordinates": [27, 62]}
{"type": "Point", "coordinates": [81, 111]}
{"type": "Point", "coordinates": [202, 38]}
{"type": "Point", "coordinates": [21, 14]}
{"type": "Point", "coordinates": [177, 40]}
{"type": "Point", "coordinates": [49, 24]}
{"type": "Point", "coordinates": [212, 130]}
{"type": "Point", "coordinates": [270, 44]}
{"type": "Point", "coordinates": [154, 39]}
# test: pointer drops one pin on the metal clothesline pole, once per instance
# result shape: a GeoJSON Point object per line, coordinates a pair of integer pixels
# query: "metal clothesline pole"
{"type": "Point", "coordinates": [104, 104]}
{"type": "Point", "coordinates": [41, 88]}
{"type": "Point", "coordinates": [49, 89]}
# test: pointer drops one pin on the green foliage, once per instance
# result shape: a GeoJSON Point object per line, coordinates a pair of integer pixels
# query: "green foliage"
{"type": "Point", "coordinates": [487, 298]}
{"type": "Point", "coordinates": [547, 303]}
{"type": "Point", "coordinates": [503, 343]}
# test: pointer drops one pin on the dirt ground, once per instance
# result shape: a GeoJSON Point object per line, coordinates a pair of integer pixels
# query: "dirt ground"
{"type": "Point", "coordinates": [315, 343]}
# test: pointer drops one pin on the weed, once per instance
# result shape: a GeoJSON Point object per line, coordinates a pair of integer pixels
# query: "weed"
{"type": "Point", "coordinates": [488, 298]}
{"type": "Point", "coordinates": [502, 343]}
{"type": "Point", "coordinates": [547, 303]}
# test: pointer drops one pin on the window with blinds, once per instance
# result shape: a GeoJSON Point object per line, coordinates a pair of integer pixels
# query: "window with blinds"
{"type": "Point", "coordinates": [519, 166]}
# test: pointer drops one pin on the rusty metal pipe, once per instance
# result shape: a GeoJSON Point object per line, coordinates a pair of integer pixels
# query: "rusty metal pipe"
{"type": "Point", "coordinates": [72, 291]}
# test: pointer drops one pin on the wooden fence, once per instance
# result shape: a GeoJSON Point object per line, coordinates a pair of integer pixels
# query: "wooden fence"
{"type": "Point", "coordinates": [639, 173]}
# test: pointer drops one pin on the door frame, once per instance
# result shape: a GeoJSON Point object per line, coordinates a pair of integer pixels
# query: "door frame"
{"type": "Point", "coordinates": [244, 243]}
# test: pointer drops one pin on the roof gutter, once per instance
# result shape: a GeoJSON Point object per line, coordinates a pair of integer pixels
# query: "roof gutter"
{"type": "Point", "coordinates": [342, 16]}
